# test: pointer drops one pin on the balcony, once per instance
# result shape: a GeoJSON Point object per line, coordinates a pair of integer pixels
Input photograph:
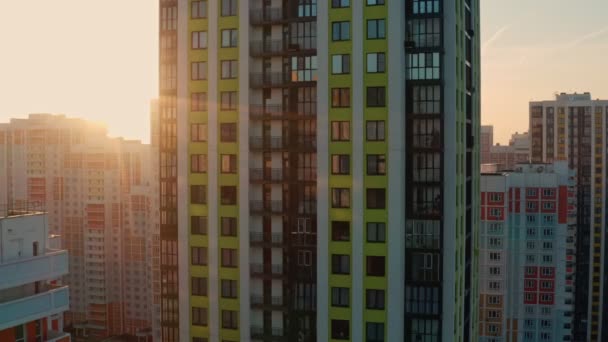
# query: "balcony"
{"type": "Point", "coordinates": [266, 207]}
{"type": "Point", "coordinates": [279, 112]}
{"type": "Point", "coordinates": [267, 302]}
{"type": "Point", "coordinates": [267, 143]}
{"type": "Point", "coordinates": [258, 332]}
{"type": "Point", "coordinates": [268, 48]}
{"type": "Point", "coordinates": [268, 79]}
{"type": "Point", "coordinates": [57, 336]}
{"type": "Point", "coordinates": [266, 270]}
{"type": "Point", "coordinates": [266, 16]}
{"type": "Point", "coordinates": [261, 238]}
{"type": "Point", "coordinates": [51, 265]}
{"type": "Point", "coordinates": [35, 306]}
{"type": "Point", "coordinates": [266, 175]}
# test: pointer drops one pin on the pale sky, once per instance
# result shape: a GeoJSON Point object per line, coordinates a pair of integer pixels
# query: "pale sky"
{"type": "Point", "coordinates": [98, 59]}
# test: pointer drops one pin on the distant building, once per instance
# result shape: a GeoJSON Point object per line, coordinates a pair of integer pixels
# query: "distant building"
{"type": "Point", "coordinates": [32, 297]}
{"type": "Point", "coordinates": [100, 195]}
{"type": "Point", "coordinates": [572, 127]}
{"type": "Point", "coordinates": [487, 141]}
{"type": "Point", "coordinates": [505, 157]}
{"type": "Point", "coordinates": [527, 249]}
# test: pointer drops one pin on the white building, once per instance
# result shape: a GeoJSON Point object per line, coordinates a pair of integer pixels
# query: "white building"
{"type": "Point", "coordinates": [32, 299]}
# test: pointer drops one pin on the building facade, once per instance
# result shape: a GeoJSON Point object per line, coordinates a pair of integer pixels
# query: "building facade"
{"type": "Point", "coordinates": [99, 195]}
{"type": "Point", "coordinates": [487, 141]}
{"type": "Point", "coordinates": [32, 297]}
{"type": "Point", "coordinates": [572, 127]}
{"type": "Point", "coordinates": [282, 127]}
{"type": "Point", "coordinates": [527, 254]}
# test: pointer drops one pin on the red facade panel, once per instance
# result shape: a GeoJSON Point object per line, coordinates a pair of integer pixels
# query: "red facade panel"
{"type": "Point", "coordinates": [563, 205]}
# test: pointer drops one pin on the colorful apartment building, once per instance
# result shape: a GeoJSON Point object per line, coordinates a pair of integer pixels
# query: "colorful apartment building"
{"type": "Point", "coordinates": [32, 297]}
{"type": "Point", "coordinates": [295, 205]}
{"type": "Point", "coordinates": [99, 193]}
{"type": "Point", "coordinates": [573, 127]}
{"type": "Point", "coordinates": [527, 254]}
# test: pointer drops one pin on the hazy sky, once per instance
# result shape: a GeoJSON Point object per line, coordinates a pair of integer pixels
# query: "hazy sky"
{"type": "Point", "coordinates": [98, 59]}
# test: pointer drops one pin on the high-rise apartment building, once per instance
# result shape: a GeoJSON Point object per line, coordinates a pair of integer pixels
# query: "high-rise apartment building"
{"type": "Point", "coordinates": [32, 297]}
{"type": "Point", "coordinates": [527, 248]}
{"type": "Point", "coordinates": [507, 156]}
{"type": "Point", "coordinates": [319, 170]}
{"type": "Point", "coordinates": [99, 193]}
{"type": "Point", "coordinates": [573, 128]}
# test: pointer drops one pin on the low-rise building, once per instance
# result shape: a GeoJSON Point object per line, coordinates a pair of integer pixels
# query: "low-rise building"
{"type": "Point", "coordinates": [32, 297]}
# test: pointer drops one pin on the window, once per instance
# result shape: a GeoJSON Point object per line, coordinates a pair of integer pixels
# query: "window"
{"type": "Point", "coordinates": [548, 192]}
{"type": "Point", "coordinates": [340, 130]}
{"type": "Point", "coordinates": [340, 30]}
{"type": "Point", "coordinates": [374, 130]}
{"type": "Point", "coordinates": [198, 132]}
{"type": "Point", "coordinates": [376, 164]}
{"type": "Point", "coordinates": [375, 2]}
{"type": "Point", "coordinates": [376, 198]}
{"type": "Point", "coordinates": [199, 286]}
{"type": "Point", "coordinates": [493, 299]}
{"type": "Point", "coordinates": [376, 96]}
{"type": "Point", "coordinates": [340, 164]}
{"type": "Point", "coordinates": [228, 226]}
{"type": "Point", "coordinates": [376, 62]}
{"type": "Point", "coordinates": [229, 8]}
{"type": "Point", "coordinates": [495, 196]}
{"type": "Point", "coordinates": [199, 256]}
{"type": "Point", "coordinates": [340, 296]}
{"type": "Point", "coordinates": [229, 69]}
{"type": "Point", "coordinates": [531, 192]}
{"type": "Point", "coordinates": [548, 205]}
{"type": "Point", "coordinates": [375, 299]}
{"type": "Point", "coordinates": [340, 97]}
{"type": "Point", "coordinates": [230, 319]}
{"type": "Point", "coordinates": [376, 29]}
{"type": "Point", "coordinates": [423, 66]}
{"type": "Point", "coordinates": [198, 102]}
{"type": "Point", "coordinates": [340, 198]}
{"type": "Point", "coordinates": [546, 271]}
{"type": "Point", "coordinates": [198, 225]}
{"type": "Point", "coordinates": [198, 194]}
{"type": "Point", "coordinates": [340, 329]}
{"type": "Point", "coordinates": [340, 3]}
{"type": "Point", "coordinates": [340, 64]}
{"type": "Point", "coordinates": [427, 99]}
{"type": "Point", "coordinates": [495, 212]}
{"type": "Point", "coordinates": [228, 100]}
{"type": "Point", "coordinates": [229, 288]}
{"type": "Point", "coordinates": [375, 266]}
{"type": "Point", "coordinates": [425, 32]}
{"type": "Point", "coordinates": [547, 245]}
{"type": "Point", "coordinates": [494, 285]}
{"type": "Point", "coordinates": [494, 270]}
{"type": "Point", "coordinates": [494, 256]}
{"type": "Point", "coordinates": [495, 242]}
{"type": "Point", "coordinates": [340, 231]}
{"type": "Point", "coordinates": [229, 257]}
{"type": "Point", "coordinates": [228, 163]}
{"type": "Point", "coordinates": [304, 258]}
{"type": "Point", "coordinates": [228, 132]}
{"type": "Point", "coordinates": [340, 264]}
{"type": "Point", "coordinates": [374, 331]}
{"type": "Point", "coordinates": [199, 339]}
{"type": "Point", "coordinates": [376, 232]}
{"type": "Point", "coordinates": [228, 195]}
{"type": "Point", "coordinates": [199, 71]}
{"type": "Point", "coordinates": [199, 9]}
{"type": "Point", "coordinates": [199, 316]}
{"type": "Point", "coordinates": [229, 38]}
{"type": "Point", "coordinates": [198, 163]}
{"type": "Point", "coordinates": [199, 40]}
{"type": "Point", "coordinates": [425, 6]}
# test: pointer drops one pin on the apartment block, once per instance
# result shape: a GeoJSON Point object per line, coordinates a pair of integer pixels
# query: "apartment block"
{"type": "Point", "coordinates": [32, 297]}
{"type": "Point", "coordinates": [99, 196]}
{"type": "Point", "coordinates": [572, 127]}
{"type": "Point", "coordinates": [527, 253]}
{"type": "Point", "coordinates": [295, 205]}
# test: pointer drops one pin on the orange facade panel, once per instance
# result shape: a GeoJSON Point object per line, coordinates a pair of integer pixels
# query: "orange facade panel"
{"type": "Point", "coordinates": [36, 189]}
{"type": "Point", "coordinates": [95, 216]}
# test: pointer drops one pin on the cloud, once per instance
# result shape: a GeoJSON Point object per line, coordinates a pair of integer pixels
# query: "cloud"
{"type": "Point", "coordinates": [485, 45]}
{"type": "Point", "coordinates": [587, 37]}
